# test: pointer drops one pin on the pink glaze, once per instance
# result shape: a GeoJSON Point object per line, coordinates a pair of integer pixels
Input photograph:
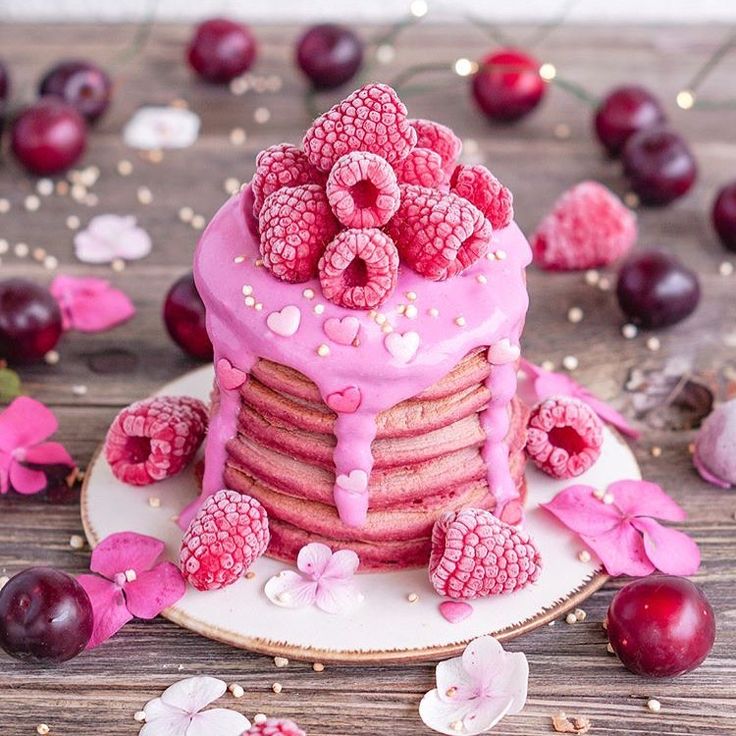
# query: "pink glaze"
{"type": "Point", "coordinates": [492, 308]}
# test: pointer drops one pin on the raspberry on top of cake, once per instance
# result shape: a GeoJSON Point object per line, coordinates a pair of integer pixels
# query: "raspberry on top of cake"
{"type": "Point", "coordinates": [356, 279]}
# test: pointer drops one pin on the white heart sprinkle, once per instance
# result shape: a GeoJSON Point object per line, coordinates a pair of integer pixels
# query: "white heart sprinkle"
{"type": "Point", "coordinates": [286, 322]}
{"type": "Point", "coordinates": [502, 352]}
{"type": "Point", "coordinates": [402, 347]}
{"type": "Point", "coordinates": [355, 482]}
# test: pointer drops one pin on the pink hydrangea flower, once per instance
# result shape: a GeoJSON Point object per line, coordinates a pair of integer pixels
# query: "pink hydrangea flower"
{"type": "Point", "coordinates": [129, 583]}
{"type": "Point", "coordinates": [24, 426]}
{"type": "Point", "coordinates": [326, 580]}
{"type": "Point", "coordinates": [619, 525]}
{"type": "Point", "coordinates": [180, 711]}
{"type": "Point", "coordinates": [475, 691]}
{"type": "Point", "coordinates": [90, 305]}
{"type": "Point", "coordinates": [542, 384]}
{"type": "Point", "coordinates": [108, 237]}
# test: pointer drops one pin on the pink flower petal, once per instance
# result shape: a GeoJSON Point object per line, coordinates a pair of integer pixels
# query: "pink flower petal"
{"type": "Point", "coordinates": [218, 722]}
{"type": "Point", "coordinates": [108, 605]}
{"type": "Point", "coordinates": [26, 480]}
{"type": "Point", "coordinates": [5, 461]}
{"type": "Point", "coordinates": [641, 498]}
{"type": "Point", "coordinates": [621, 551]}
{"type": "Point", "coordinates": [609, 415]}
{"type": "Point", "coordinates": [155, 590]}
{"type": "Point", "coordinates": [578, 509]}
{"type": "Point", "coordinates": [553, 384]}
{"type": "Point", "coordinates": [342, 565]}
{"type": "Point", "coordinates": [125, 551]}
{"type": "Point", "coordinates": [25, 422]}
{"type": "Point", "coordinates": [48, 453]}
{"type": "Point", "coordinates": [337, 596]}
{"type": "Point", "coordinates": [669, 550]}
{"type": "Point", "coordinates": [289, 589]}
{"type": "Point", "coordinates": [89, 304]}
{"type": "Point", "coordinates": [194, 693]}
{"type": "Point", "coordinates": [313, 559]}
{"type": "Point", "coordinates": [482, 658]}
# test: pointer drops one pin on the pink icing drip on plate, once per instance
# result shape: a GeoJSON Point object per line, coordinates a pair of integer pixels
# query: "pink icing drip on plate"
{"type": "Point", "coordinates": [482, 306]}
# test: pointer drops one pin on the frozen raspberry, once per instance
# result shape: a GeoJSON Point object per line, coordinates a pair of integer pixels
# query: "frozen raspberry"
{"type": "Point", "coordinates": [438, 235]}
{"type": "Point", "coordinates": [588, 227]}
{"type": "Point", "coordinates": [372, 119]}
{"type": "Point", "coordinates": [295, 225]}
{"type": "Point", "coordinates": [564, 437]}
{"type": "Point", "coordinates": [440, 139]}
{"type": "Point", "coordinates": [359, 269]}
{"type": "Point", "coordinates": [228, 534]}
{"type": "Point", "coordinates": [275, 727]}
{"type": "Point", "coordinates": [423, 167]}
{"type": "Point", "coordinates": [475, 554]}
{"type": "Point", "coordinates": [479, 186]}
{"type": "Point", "coordinates": [362, 190]}
{"type": "Point", "coordinates": [155, 439]}
{"type": "Point", "coordinates": [279, 166]}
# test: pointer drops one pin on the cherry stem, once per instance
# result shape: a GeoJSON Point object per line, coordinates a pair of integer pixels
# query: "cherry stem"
{"type": "Point", "coordinates": [711, 63]}
{"type": "Point", "coordinates": [576, 90]}
{"type": "Point", "coordinates": [139, 41]}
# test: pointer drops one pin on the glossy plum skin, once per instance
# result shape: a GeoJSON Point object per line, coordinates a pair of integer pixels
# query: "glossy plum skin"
{"type": "Point", "coordinates": [221, 50]}
{"type": "Point", "coordinates": [624, 111]}
{"type": "Point", "coordinates": [48, 137]}
{"type": "Point", "coordinates": [655, 289]}
{"type": "Point", "coordinates": [329, 55]}
{"type": "Point", "coordinates": [81, 84]}
{"type": "Point", "coordinates": [30, 321]}
{"type": "Point", "coordinates": [507, 86]}
{"type": "Point", "coordinates": [661, 626]}
{"type": "Point", "coordinates": [724, 215]}
{"type": "Point", "coordinates": [45, 616]}
{"type": "Point", "coordinates": [659, 165]}
{"type": "Point", "coordinates": [184, 317]}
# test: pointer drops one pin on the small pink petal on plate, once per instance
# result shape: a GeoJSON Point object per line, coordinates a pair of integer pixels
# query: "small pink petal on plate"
{"type": "Point", "coordinates": [669, 550]}
{"type": "Point", "coordinates": [108, 606]}
{"type": "Point", "coordinates": [455, 611]}
{"type": "Point", "coordinates": [155, 590]}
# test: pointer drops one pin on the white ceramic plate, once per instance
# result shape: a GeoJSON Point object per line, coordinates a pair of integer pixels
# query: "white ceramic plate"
{"type": "Point", "coordinates": [387, 627]}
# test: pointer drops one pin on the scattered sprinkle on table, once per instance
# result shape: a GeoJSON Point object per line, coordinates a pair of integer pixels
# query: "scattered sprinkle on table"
{"type": "Point", "coordinates": [281, 661]}
{"type": "Point", "coordinates": [277, 687]}
{"type": "Point", "coordinates": [259, 719]}
{"type": "Point", "coordinates": [236, 690]}
{"type": "Point", "coordinates": [154, 502]}
{"type": "Point", "coordinates": [570, 362]}
{"type": "Point", "coordinates": [575, 315]}
{"type": "Point", "coordinates": [584, 555]}
{"type": "Point", "coordinates": [412, 597]}
{"type": "Point", "coordinates": [139, 716]}
{"type": "Point", "coordinates": [654, 705]}
{"type": "Point", "coordinates": [629, 331]}
{"type": "Point", "coordinates": [145, 196]}
{"type": "Point", "coordinates": [318, 667]}
{"type": "Point", "coordinates": [653, 344]}
{"type": "Point", "coordinates": [571, 618]}
{"type": "Point", "coordinates": [42, 729]}
{"type": "Point", "coordinates": [52, 357]}
{"type": "Point", "coordinates": [76, 541]}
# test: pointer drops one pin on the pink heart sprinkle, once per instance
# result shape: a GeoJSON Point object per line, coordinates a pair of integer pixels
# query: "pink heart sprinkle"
{"type": "Point", "coordinates": [342, 331]}
{"type": "Point", "coordinates": [402, 347]}
{"type": "Point", "coordinates": [228, 376]}
{"type": "Point", "coordinates": [502, 352]}
{"type": "Point", "coordinates": [346, 401]}
{"type": "Point", "coordinates": [286, 322]}
{"type": "Point", "coordinates": [455, 611]}
{"type": "Point", "coordinates": [355, 482]}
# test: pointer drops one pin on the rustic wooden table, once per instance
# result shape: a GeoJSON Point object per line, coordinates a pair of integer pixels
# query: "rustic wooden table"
{"type": "Point", "coordinates": [570, 670]}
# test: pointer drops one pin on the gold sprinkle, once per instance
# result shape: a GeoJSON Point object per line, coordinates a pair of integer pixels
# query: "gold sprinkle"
{"type": "Point", "coordinates": [262, 115]}
{"type": "Point", "coordinates": [139, 716]}
{"type": "Point", "coordinates": [457, 726]}
{"type": "Point", "coordinates": [562, 131]}
{"type": "Point", "coordinates": [656, 451]}
{"type": "Point", "coordinates": [131, 576]}
{"type": "Point", "coordinates": [42, 729]}
{"type": "Point", "coordinates": [238, 259]}
{"type": "Point", "coordinates": [584, 555]}
{"type": "Point", "coordinates": [608, 499]}
{"type": "Point", "coordinates": [250, 575]}
{"type": "Point", "coordinates": [592, 277]}
{"type": "Point", "coordinates": [156, 156]}
{"type": "Point", "coordinates": [319, 308]}
{"type": "Point", "coordinates": [258, 307]}
{"type": "Point", "coordinates": [501, 255]}
{"type": "Point", "coordinates": [323, 350]}
{"type": "Point", "coordinates": [631, 199]}
{"type": "Point", "coordinates": [52, 357]}
{"type": "Point", "coordinates": [4, 205]}
{"type": "Point", "coordinates": [79, 192]}
{"type": "Point", "coordinates": [72, 222]}
{"type": "Point", "coordinates": [481, 279]}
{"type": "Point", "coordinates": [250, 301]}
{"type": "Point", "coordinates": [236, 690]}
{"type": "Point", "coordinates": [609, 648]}
{"type": "Point", "coordinates": [412, 597]}
{"type": "Point", "coordinates": [654, 705]}
{"type": "Point", "coordinates": [76, 541]}
{"type": "Point", "coordinates": [433, 312]}
{"type": "Point", "coordinates": [259, 719]}
{"type": "Point", "coordinates": [39, 254]}
{"type": "Point", "coordinates": [50, 263]}
{"type": "Point", "coordinates": [571, 618]}
{"type": "Point", "coordinates": [387, 328]}
{"type": "Point", "coordinates": [411, 311]}
{"type": "Point", "coordinates": [460, 321]}
{"type": "Point", "coordinates": [45, 187]}
{"type": "Point", "coordinates": [144, 195]}
{"type": "Point", "coordinates": [231, 185]}
{"type": "Point", "coordinates": [318, 667]}
{"type": "Point", "coordinates": [32, 203]}
{"type": "Point", "coordinates": [281, 661]}
{"type": "Point", "coordinates": [604, 284]}
{"type": "Point", "coordinates": [411, 296]}
{"type": "Point", "coordinates": [308, 293]}
{"type": "Point", "coordinates": [117, 265]}
{"type": "Point", "coordinates": [21, 250]}
{"type": "Point", "coordinates": [451, 692]}
{"type": "Point", "coordinates": [580, 615]}
{"type": "Point", "coordinates": [198, 222]}
{"type": "Point", "coordinates": [654, 344]}
{"type": "Point", "coordinates": [247, 288]}
{"type": "Point", "coordinates": [237, 136]}
{"type": "Point", "coordinates": [570, 362]}
{"type": "Point", "coordinates": [154, 502]}
{"type": "Point", "coordinates": [277, 687]}
{"type": "Point", "coordinates": [186, 214]}
{"type": "Point", "coordinates": [547, 365]}
{"type": "Point", "coordinates": [726, 268]}
{"type": "Point", "coordinates": [629, 331]}
{"type": "Point", "coordinates": [62, 188]}
{"type": "Point", "coordinates": [575, 315]}
{"type": "Point", "coordinates": [401, 308]}
{"type": "Point", "coordinates": [599, 493]}
{"type": "Point", "coordinates": [380, 318]}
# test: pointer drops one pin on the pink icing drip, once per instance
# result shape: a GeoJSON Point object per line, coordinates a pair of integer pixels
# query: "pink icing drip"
{"type": "Point", "coordinates": [492, 309]}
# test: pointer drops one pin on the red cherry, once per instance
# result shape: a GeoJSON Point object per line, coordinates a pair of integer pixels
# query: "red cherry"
{"type": "Point", "coordinates": [329, 55]}
{"type": "Point", "coordinates": [724, 215]}
{"type": "Point", "coordinates": [221, 50]}
{"type": "Point", "coordinates": [30, 321]}
{"type": "Point", "coordinates": [655, 289]}
{"type": "Point", "coordinates": [4, 94]}
{"type": "Point", "coordinates": [81, 84]}
{"type": "Point", "coordinates": [49, 136]}
{"type": "Point", "coordinates": [659, 165]}
{"type": "Point", "coordinates": [661, 626]}
{"type": "Point", "coordinates": [184, 317]}
{"type": "Point", "coordinates": [507, 85]}
{"type": "Point", "coordinates": [45, 616]}
{"type": "Point", "coordinates": [623, 112]}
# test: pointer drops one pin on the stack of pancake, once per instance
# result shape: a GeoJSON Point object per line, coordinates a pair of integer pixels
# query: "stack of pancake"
{"type": "Point", "coordinates": [427, 456]}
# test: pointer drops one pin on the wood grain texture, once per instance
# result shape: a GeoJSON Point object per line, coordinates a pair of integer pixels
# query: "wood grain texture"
{"type": "Point", "coordinates": [570, 670]}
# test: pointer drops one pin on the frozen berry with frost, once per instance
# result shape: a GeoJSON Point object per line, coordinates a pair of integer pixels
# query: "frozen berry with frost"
{"type": "Point", "coordinates": [661, 626]}
{"type": "Point", "coordinates": [588, 227]}
{"type": "Point", "coordinates": [184, 316]}
{"type": "Point", "coordinates": [438, 235]}
{"type": "Point", "coordinates": [659, 165]}
{"type": "Point", "coordinates": [371, 119]}
{"type": "Point", "coordinates": [81, 84]}
{"type": "Point", "coordinates": [362, 190]}
{"type": "Point", "coordinates": [623, 112]}
{"type": "Point", "coordinates": [359, 269]}
{"type": "Point", "coordinates": [476, 555]}
{"type": "Point", "coordinates": [564, 437]}
{"type": "Point", "coordinates": [329, 55]}
{"type": "Point", "coordinates": [228, 534]}
{"type": "Point", "coordinates": [724, 215]}
{"type": "Point", "coordinates": [275, 727]}
{"type": "Point", "coordinates": [221, 50]}
{"type": "Point", "coordinates": [154, 439]}
{"type": "Point", "coordinates": [423, 167]}
{"type": "Point", "coordinates": [247, 202]}
{"type": "Point", "coordinates": [440, 139]}
{"type": "Point", "coordinates": [296, 224]}
{"type": "Point", "coordinates": [481, 188]}
{"type": "Point", "coordinates": [507, 85]}
{"type": "Point", "coordinates": [280, 166]}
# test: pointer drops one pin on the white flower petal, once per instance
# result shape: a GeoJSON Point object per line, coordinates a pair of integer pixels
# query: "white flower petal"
{"type": "Point", "coordinates": [90, 249]}
{"type": "Point", "coordinates": [466, 717]}
{"type": "Point", "coordinates": [165, 722]}
{"type": "Point", "coordinates": [343, 564]}
{"type": "Point", "coordinates": [161, 127]}
{"type": "Point", "coordinates": [218, 722]}
{"type": "Point", "coordinates": [453, 681]}
{"type": "Point", "coordinates": [289, 589]}
{"type": "Point", "coordinates": [486, 714]}
{"type": "Point", "coordinates": [514, 679]}
{"type": "Point", "coordinates": [338, 595]}
{"type": "Point", "coordinates": [313, 559]}
{"type": "Point", "coordinates": [483, 659]}
{"type": "Point", "coordinates": [194, 693]}
{"type": "Point", "coordinates": [133, 244]}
